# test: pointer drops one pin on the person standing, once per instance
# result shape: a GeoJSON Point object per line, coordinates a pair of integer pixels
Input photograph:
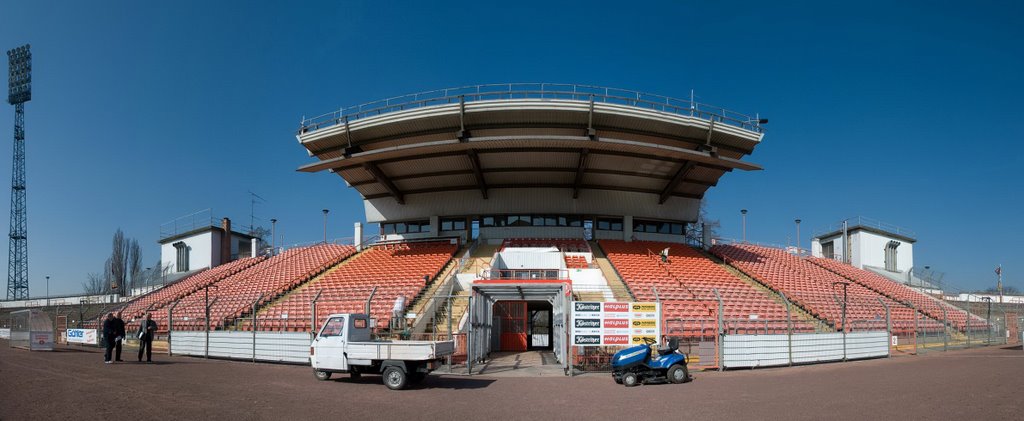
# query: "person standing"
{"type": "Point", "coordinates": [109, 336]}
{"type": "Point", "coordinates": [147, 328]}
{"type": "Point", "coordinates": [398, 310]}
{"type": "Point", "coordinates": [118, 323]}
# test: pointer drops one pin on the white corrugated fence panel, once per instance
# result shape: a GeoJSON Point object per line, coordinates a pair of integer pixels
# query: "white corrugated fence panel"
{"type": "Point", "coordinates": [773, 350]}
{"type": "Point", "coordinates": [867, 345]}
{"type": "Point", "coordinates": [292, 347]}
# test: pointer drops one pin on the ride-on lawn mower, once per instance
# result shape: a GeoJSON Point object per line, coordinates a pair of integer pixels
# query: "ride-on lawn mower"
{"type": "Point", "coordinates": [635, 365]}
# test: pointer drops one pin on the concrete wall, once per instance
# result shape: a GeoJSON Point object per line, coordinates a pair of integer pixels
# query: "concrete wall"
{"type": "Point", "coordinates": [871, 248]}
{"type": "Point", "coordinates": [665, 238]}
{"type": "Point", "coordinates": [538, 201]}
{"type": "Point", "coordinates": [531, 232]}
{"type": "Point", "coordinates": [204, 251]}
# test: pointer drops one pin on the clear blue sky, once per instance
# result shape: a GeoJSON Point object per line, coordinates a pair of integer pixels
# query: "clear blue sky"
{"type": "Point", "coordinates": [145, 111]}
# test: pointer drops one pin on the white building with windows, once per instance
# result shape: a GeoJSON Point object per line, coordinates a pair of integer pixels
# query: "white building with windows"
{"type": "Point", "coordinates": [204, 246]}
{"type": "Point", "coordinates": [868, 244]}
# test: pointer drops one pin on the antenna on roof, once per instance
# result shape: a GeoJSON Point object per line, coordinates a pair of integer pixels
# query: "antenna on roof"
{"type": "Point", "coordinates": [253, 198]}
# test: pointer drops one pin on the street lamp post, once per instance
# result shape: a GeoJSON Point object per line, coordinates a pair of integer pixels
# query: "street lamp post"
{"type": "Point", "coordinates": [273, 236]}
{"type": "Point", "coordinates": [149, 278]}
{"type": "Point", "coordinates": [744, 213]}
{"type": "Point", "coordinates": [47, 290]}
{"type": "Point", "coordinates": [325, 225]}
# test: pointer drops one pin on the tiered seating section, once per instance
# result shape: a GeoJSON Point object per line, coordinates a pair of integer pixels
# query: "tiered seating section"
{"type": "Point", "coordinates": [576, 262]}
{"type": "Point", "coordinates": [819, 292]}
{"type": "Point", "coordinates": [685, 284]}
{"type": "Point", "coordinates": [899, 292]}
{"type": "Point", "coordinates": [393, 269]}
{"type": "Point", "coordinates": [234, 296]}
{"type": "Point", "coordinates": [160, 298]}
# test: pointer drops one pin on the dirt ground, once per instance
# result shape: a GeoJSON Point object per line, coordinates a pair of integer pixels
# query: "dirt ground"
{"type": "Point", "coordinates": [73, 383]}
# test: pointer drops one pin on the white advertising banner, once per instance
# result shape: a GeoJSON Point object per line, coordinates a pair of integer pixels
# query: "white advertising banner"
{"type": "Point", "coordinates": [5, 333]}
{"type": "Point", "coordinates": [83, 336]}
{"type": "Point", "coordinates": [615, 323]}
{"type": "Point", "coordinates": [41, 341]}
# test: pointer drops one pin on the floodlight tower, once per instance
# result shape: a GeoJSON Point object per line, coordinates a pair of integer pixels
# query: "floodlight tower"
{"type": "Point", "coordinates": [19, 83]}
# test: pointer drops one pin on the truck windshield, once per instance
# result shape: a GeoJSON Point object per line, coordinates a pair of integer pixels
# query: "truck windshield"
{"type": "Point", "coordinates": [333, 327]}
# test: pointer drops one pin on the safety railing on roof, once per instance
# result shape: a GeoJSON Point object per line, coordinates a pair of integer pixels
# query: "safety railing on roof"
{"type": "Point", "coordinates": [538, 91]}
{"type": "Point", "coordinates": [861, 221]}
{"type": "Point", "coordinates": [182, 224]}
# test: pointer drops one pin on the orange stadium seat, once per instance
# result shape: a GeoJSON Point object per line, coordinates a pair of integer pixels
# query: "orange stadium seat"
{"type": "Point", "coordinates": [817, 290]}
{"type": "Point", "coordinates": [686, 283]}
{"type": "Point", "coordinates": [393, 269]}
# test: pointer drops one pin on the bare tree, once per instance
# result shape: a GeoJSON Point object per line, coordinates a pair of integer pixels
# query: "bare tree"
{"type": "Point", "coordinates": [119, 262]}
{"type": "Point", "coordinates": [94, 284]}
{"type": "Point", "coordinates": [134, 264]}
{"type": "Point", "coordinates": [695, 230]}
{"type": "Point", "coordinates": [108, 277]}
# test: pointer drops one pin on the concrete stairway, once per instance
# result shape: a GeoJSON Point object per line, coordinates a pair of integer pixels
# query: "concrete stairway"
{"type": "Point", "coordinates": [619, 288]}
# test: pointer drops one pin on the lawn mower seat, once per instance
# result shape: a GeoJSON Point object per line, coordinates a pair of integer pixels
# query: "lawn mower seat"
{"type": "Point", "coordinates": [670, 347]}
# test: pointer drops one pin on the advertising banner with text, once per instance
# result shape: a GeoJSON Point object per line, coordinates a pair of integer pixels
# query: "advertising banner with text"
{"type": "Point", "coordinates": [82, 336]}
{"type": "Point", "coordinates": [614, 323]}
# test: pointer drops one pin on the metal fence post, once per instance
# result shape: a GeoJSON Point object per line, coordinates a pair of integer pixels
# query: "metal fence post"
{"type": "Point", "coordinates": [888, 323]}
{"type": "Point", "coordinates": [170, 326]}
{"type": "Point", "coordinates": [312, 312]}
{"type": "Point", "coordinates": [967, 325]}
{"type": "Point", "coordinates": [945, 330]}
{"type": "Point", "coordinates": [789, 327]}
{"type": "Point", "coordinates": [914, 310]}
{"type": "Point", "coordinates": [470, 354]}
{"type": "Point", "coordinates": [206, 323]}
{"type": "Point", "coordinates": [254, 303]}
{"type": "Point", "coordinates": [720, 336]}
{"type": "Point", "coordinates": [366, 305]}
{"type": "Point", "coordinates": [1005, 334]}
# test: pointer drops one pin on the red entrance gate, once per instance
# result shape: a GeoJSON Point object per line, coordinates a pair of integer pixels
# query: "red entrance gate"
{"type": "Point", "coordinates": [513, 316]}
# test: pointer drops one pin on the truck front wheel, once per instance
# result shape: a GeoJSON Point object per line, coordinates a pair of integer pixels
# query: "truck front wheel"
{"type": "Point", "coordinates": [395, 378]}
{"type": "Point", "coordinates": [321, 375]}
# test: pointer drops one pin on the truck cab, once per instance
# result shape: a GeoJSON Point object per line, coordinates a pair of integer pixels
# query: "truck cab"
{"type": "Point", "coordinates": [344, 345]}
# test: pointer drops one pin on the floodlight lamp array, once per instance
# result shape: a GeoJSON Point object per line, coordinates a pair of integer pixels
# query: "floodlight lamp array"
{"type": "Point", "coordinates": [19, 76]}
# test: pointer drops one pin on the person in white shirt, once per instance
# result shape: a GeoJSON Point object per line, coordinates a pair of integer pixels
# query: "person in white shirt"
{"type": "Point", "coordinates": [399, 308]}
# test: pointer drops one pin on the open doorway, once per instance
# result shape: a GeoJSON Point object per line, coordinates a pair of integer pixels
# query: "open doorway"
{"type": "Point", "coordinates": [539, 328]}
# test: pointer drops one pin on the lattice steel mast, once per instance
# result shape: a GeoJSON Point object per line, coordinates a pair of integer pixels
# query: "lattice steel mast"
{"type": "Point", "coordinates": [19, 92]}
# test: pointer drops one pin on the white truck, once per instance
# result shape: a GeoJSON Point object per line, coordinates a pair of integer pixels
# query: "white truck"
{"type": "Point", "coordinates": [343, 345]}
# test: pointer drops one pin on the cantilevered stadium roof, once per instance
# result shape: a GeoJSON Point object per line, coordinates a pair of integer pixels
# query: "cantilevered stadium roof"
{"type": "Point", "coordinates": [573, 138]}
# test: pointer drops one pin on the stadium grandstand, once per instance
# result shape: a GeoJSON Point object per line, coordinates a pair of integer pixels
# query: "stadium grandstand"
{"type": "Point", "coordinates": [495, 204]}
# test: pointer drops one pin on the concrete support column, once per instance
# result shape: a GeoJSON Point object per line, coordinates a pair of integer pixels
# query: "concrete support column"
{"type": "Point", "coordinates": [435, 226]}
{"type": "Point", "coordinates": [627, 228]}
{"type": "Point", "coordinates": [705, 231]}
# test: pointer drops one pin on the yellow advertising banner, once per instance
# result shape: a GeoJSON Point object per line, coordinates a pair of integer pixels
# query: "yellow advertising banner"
{"type": "Point", "coordinates": [644, 307]}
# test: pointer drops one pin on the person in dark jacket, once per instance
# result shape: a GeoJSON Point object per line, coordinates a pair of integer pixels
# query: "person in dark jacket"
{"type": "Point", "coordinates": [147, 328]}
{"type": "Point", "coordinates": [109, 335]}
{"type": "Point", "coordinates": [119, 331]}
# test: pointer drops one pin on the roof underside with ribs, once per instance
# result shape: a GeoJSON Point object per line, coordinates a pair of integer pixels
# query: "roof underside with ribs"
{"type": "Point", "coordinates": [575, 144]}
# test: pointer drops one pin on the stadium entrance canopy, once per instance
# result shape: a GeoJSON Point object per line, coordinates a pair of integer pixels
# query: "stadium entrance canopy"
{"type": "Point", "coordinates": [472, 150]}
{"type": "Point", "coordinates": [482, 332]}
